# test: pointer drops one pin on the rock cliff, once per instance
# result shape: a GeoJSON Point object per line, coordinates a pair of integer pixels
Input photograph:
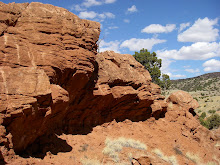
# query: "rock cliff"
{"type": "Point", "coordinates": [52, 81]}
{"type": "Point", "coordinates": [47, 62]}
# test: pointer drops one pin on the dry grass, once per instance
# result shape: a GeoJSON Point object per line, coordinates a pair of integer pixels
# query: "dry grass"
{"type": "Point", "coordinates": [196, 159]}
{"type": "Point", "coordinates": [193, 157]}
{"type": "Point", "coordinates": [114, 146]}
{"type": "Point", "coordinates": [211, 163]}
{"type": "Point", "coordinates": [86, 161]}
{"type": "Point", "coordinates": [170, 159]}
{"type": "Point", "coordinates": [216, 159]}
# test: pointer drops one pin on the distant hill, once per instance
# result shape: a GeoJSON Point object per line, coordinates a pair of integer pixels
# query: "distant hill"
{"type": "Point", "coordinates": [205, 82]}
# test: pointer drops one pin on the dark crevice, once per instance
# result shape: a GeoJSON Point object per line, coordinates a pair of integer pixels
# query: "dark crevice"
{"type": "Point", "coordinates": [45, 44]}
{"type": "Point", "coordinates": [115, 62]}
{"type": "Point", "coordinates": [43, 144]}
{"type": "Point", "coordinates": [119, 82]}
{"type": "Point", "coordinates": [2, 34]}
{"type": "Point", "coordinates": [191, 110]}
{"type": "Point", "coordinates": [70, 48]}
{"type": "Point", "coordinates": [62, 77]}
{"type": "Point", "coordinates": [45, 32]}
{"type": "Point", "coordinates": [2, 161]}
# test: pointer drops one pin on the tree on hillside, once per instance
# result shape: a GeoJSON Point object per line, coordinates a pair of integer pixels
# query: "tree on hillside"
{"type": "Point", "coordinates": [165, 81]}
{"type": "Point", "coordinates": [153, 65]}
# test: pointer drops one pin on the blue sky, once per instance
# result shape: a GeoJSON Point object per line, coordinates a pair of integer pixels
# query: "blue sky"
{"type": "Point", "coordinates": [183, 33]}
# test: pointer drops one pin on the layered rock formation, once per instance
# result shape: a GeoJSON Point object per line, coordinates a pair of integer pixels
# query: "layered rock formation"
{"type": "Point", "coordinates": [47, 59]}
{"type": "Point", "coordinates": [52, 80]}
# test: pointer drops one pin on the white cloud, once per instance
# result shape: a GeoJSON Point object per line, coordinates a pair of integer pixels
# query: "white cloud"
{"type": "Point", "coordinates": [89, 3]}
{"type": "Point", "coordinates": [113, 27]}
{"type": "Point", "coordinates": [165, 69]}
{"type": "Point", "coordinates": [102, 16]}
{"type": "Point", "coordinates": [132, 9]}
{"type": "Point", "coordinates": [187, 66]}
{"type": "Point", "coordinates": [211, 65]}
{"type": "Point", "coordinates": [87, 14]}
{"type": "Point", "coordinates": [76, 8]}
{"type": "Point", "coordinates": [197, 51]}
{"type": "Point", "coordinates": [109, 1]}
{"type": "Point", "coordinates": [92, 15]}
{"type": "Point", "coordinates": [192, 70]}
{"type": "Point", "coordinates": [109, 15]}
{"type": "Point", "coordinates": [112, 45]}
{"type": "Point", "coordinates": [175, 75]}
{"type": "Point", "coordinates": [183, 26]}
{"type": "Point", "coordinates": [126, 20]}
{"type": "Point", "coordinates": [166, 65]}
{"type": "Point", "coordinates": [201, 31]}
{"type": "Point", "coordinates": [157, 28]}
{"type": "Point", "coordinates": [135, 44]}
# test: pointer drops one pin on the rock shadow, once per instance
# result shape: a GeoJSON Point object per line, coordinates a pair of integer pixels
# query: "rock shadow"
{"type": "Point", "coordinates": [87, 129]}
{"type": "Point", "coordinates": [2, 161]}
{"type": "Point", "coordinates": [42, 145]}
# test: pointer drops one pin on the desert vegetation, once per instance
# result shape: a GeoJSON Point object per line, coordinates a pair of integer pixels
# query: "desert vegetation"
{"type": "Point", "coordinates": [206, 90]}
{"type": "Point", "coordinates": [114, 153]}
{"type": "Point", "coordinates": [114, 146]}
{"type": "Point", "coordinates": [210, 122]}
{"type": "Point", "coordinates": [171, 159]}
{"type": "Point", "coordinates": [208, 82]}
{"type": "Point", "coordinates": [153, 65]}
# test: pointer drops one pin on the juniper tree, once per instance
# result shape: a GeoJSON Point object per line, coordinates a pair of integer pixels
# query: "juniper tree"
{"type": "Point", "coordinates": [153, 65]}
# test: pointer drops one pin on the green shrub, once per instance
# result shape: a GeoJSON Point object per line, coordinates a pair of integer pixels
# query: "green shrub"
{"type": "Point", "coordinates": [211, 122]}
{"type": "Point", "coordinates": [195, 98]}
{"type": "Point", "coordinates": [203, 115]}
{"type": "Point", "coordinates": [203, 122]}
{"type": "Point", "coordinates": [212, 111]}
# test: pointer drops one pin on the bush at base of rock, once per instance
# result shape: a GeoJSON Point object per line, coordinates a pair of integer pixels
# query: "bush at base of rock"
{"type": "Point", "coordinates": [212, 122]}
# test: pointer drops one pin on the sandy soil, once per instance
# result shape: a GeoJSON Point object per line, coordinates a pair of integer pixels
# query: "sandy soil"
{"type": "Point", "coordinates": [160, 146]}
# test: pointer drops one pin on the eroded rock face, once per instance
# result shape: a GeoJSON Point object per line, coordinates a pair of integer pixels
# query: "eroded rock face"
{"type": "Point", "coordinates": [180, 110]}
{"type": "Point", "coordinates": [52, 80]}
{"type": "Point", "coordinates": [122, 90]}
{"type": "Point", "coordinates": [47, 57]}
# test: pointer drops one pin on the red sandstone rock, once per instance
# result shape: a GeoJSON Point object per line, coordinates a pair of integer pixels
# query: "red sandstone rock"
{"type": "Point", "coordinates": [47, 56]}
{"type": "Point", "coordinates": [80, 92]}
{"type": "Point", "coordinates": [183, 99]}
{"type": "Point", "coordinates": [142, 160]}
{"type": "Point", "coordinates": [52, 83]}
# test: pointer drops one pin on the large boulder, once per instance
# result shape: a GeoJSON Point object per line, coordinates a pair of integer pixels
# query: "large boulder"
{"type": "Point", "coordinates": [47, 58]}
{"type": "Point", "coordinates": [183, 99]}
{"type": "Point", "coordinates": [52, 81]}
{"type": "Point", "coordinates": [122, 90]}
